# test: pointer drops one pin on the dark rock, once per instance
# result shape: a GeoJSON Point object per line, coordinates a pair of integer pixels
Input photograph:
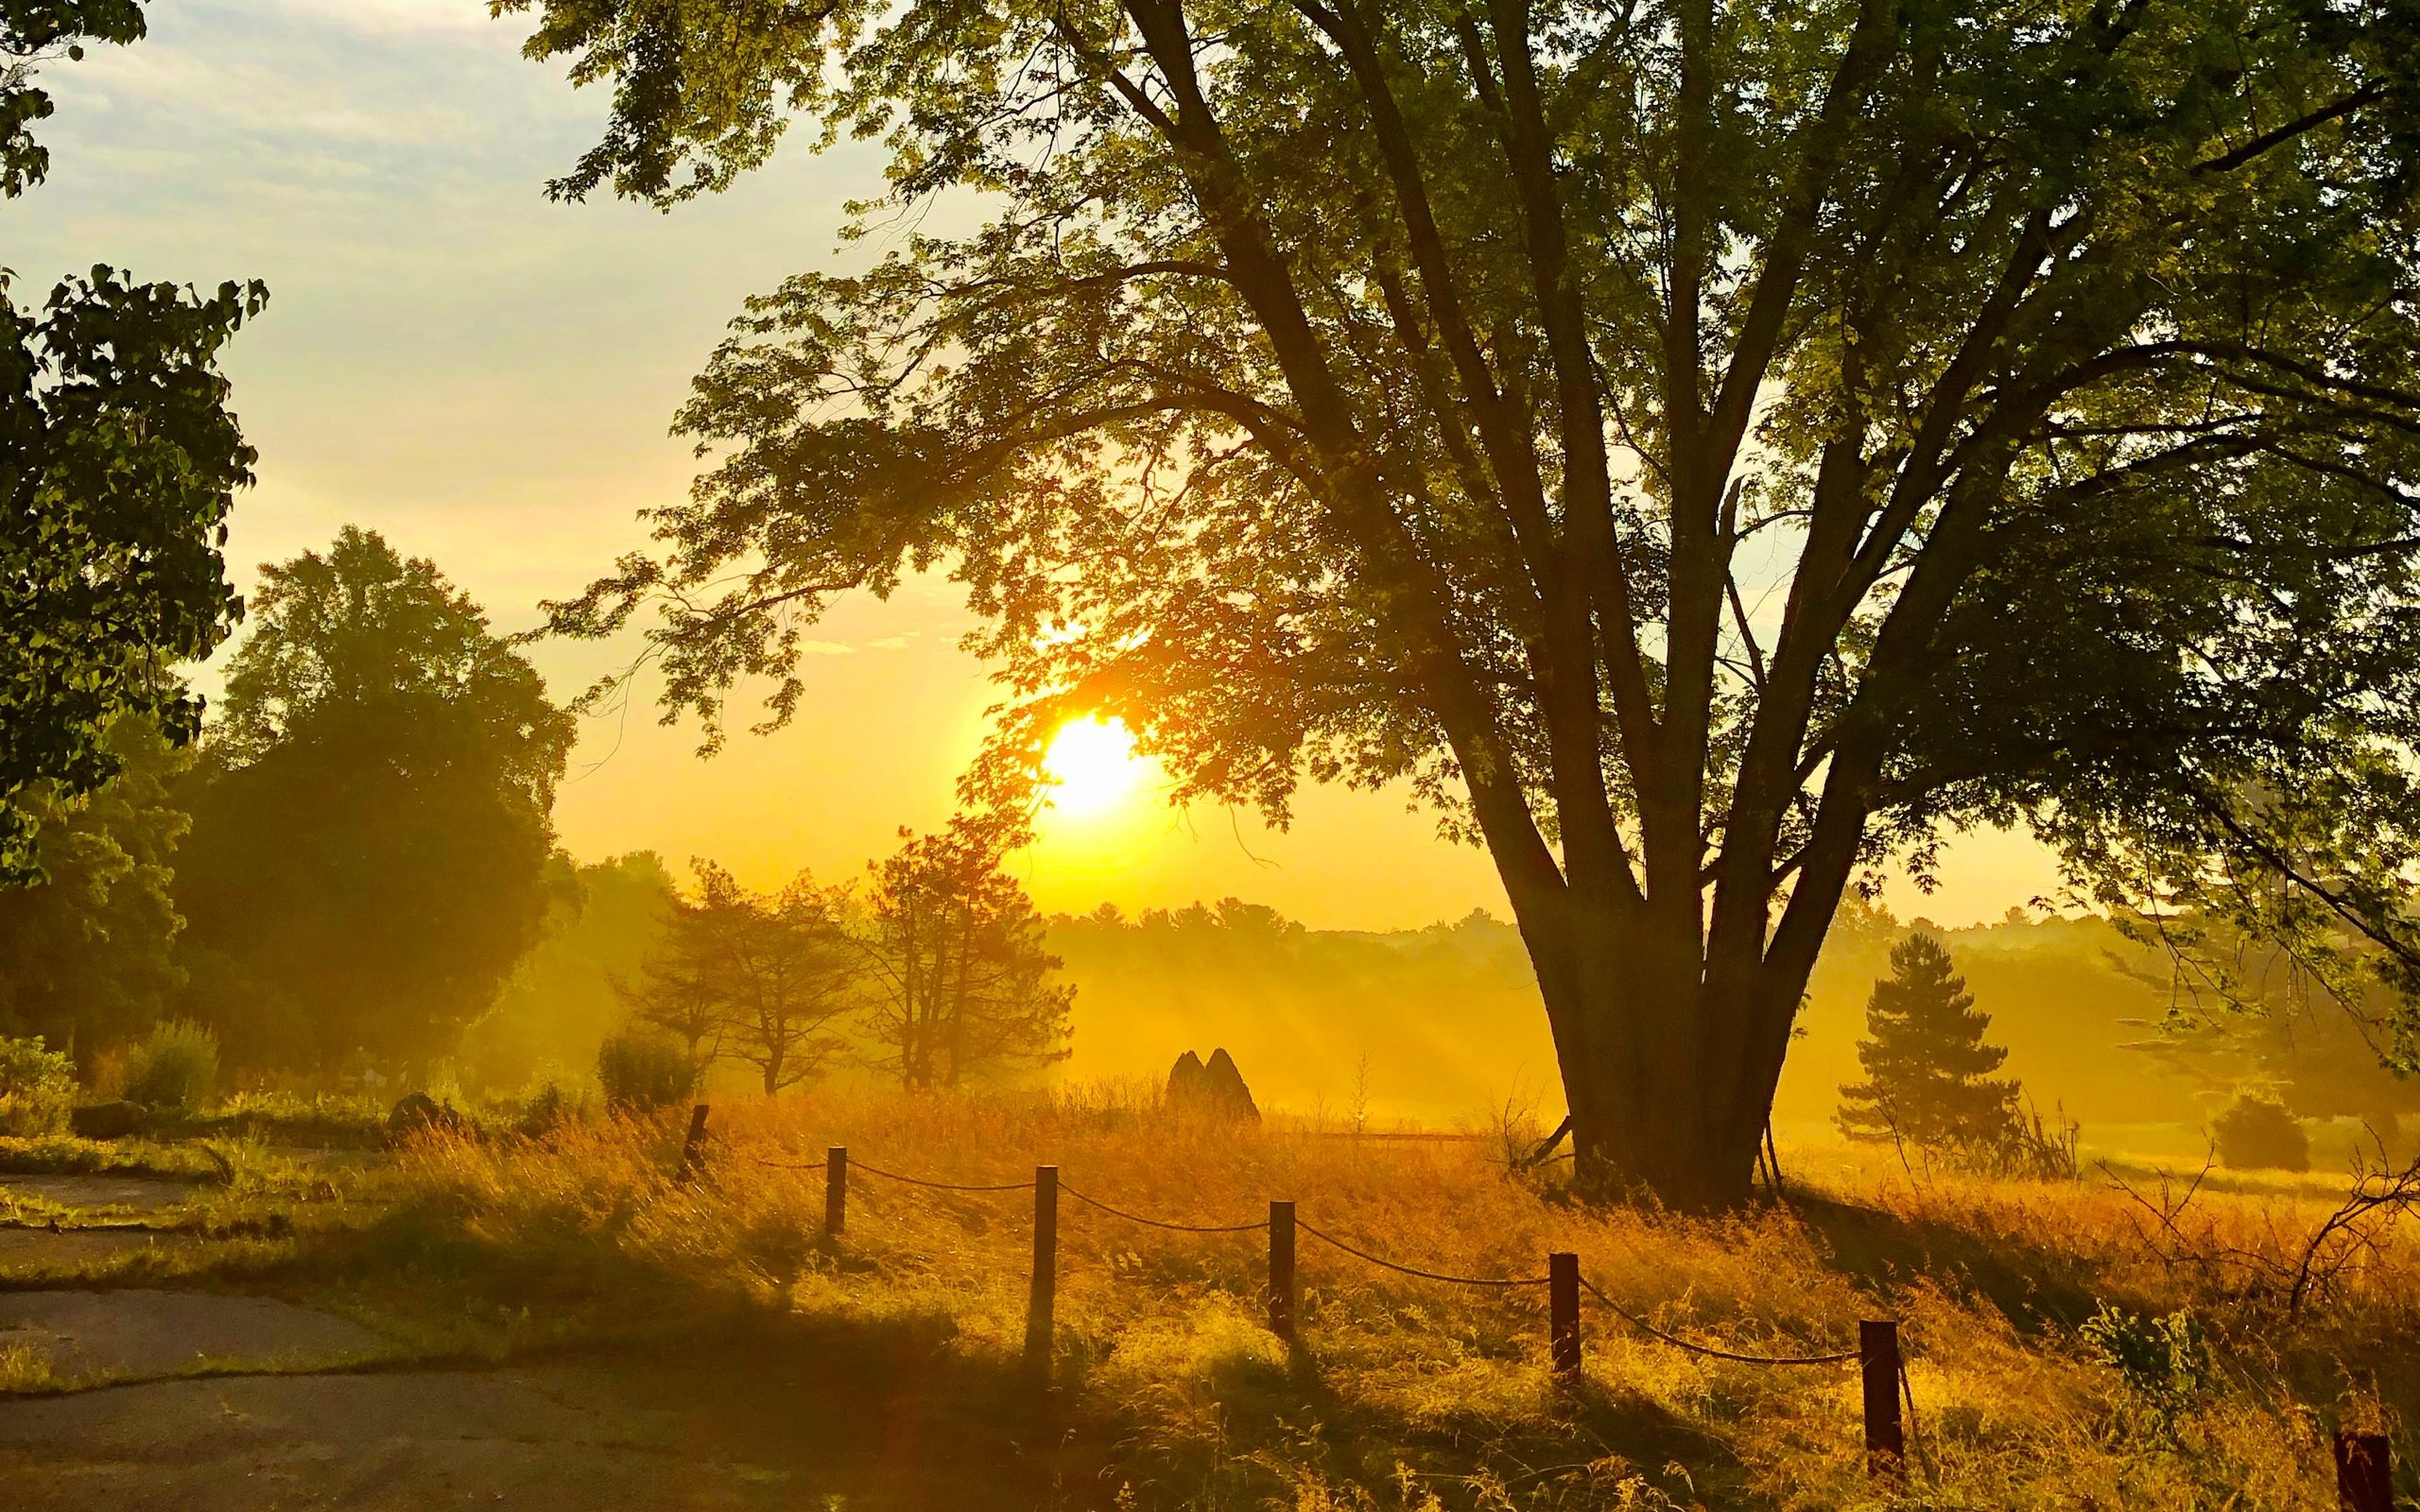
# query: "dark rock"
{"type": "Point", "coordinates": [112, 1120]}
{"type": "Point", "coordinates": [1214, 1090]}
{"type": "Point", "coordinates": [416, 1112]}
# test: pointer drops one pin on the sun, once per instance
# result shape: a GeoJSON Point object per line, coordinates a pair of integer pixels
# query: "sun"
{"type": "Point", "coordinates": [1091, 765]}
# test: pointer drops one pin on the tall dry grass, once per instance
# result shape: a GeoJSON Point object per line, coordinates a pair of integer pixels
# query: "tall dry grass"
{"type": "Point", "coordinates": [1413, 1394]}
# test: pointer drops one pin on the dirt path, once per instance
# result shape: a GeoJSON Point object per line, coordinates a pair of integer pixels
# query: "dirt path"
{"type": "Point", "coordinates": [331, 1427]}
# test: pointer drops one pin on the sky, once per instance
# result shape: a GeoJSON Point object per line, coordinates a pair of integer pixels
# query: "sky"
{"type": "Point", "coordinates": [487, 378]}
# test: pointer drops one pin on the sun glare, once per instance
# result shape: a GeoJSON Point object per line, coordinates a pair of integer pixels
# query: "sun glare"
{"type": "Point", "coordinates": [1091, 765]}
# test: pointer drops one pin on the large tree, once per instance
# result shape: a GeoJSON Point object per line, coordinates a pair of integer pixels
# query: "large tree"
{"type": "Point", "coordinates": [1706, 447]}
{"type": "Point", "coordinates": [118, 464]}
{"type": "Point", "coordinates": [370, 816]}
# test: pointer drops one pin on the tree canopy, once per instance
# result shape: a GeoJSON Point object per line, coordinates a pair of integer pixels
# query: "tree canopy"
{"type": "Point", "coordinates": [1706, 448]}
{"type": "Point", "coordinates": [87, 953]}
{"type": "Point", "coordinates": [963, 985]}
{"type": "Point", "coordinates": [370, 815]}
{"type": "Point", "coordinates": [121, 462]}
{"type": "Point", "coordinates": [761, 978]}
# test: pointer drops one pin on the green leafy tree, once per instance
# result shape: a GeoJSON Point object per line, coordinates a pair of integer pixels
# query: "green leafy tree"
{"type": "Point", "coordinates": [87, 953]}
{"type": "Point", "coordinates": [761, 978]}
{"type": "Point", "coordinates": [966, 987]}
{"type": "Point", "coordinates": [1706, 448]}
{"type": "Point", "coordinates": [1928, 1070]}
{"type": "Point", "coordinates": [371, 817]}
{"type": "Point", "coordinates": [118, 464]}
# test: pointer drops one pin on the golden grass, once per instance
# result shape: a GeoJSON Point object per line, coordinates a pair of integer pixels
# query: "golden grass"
{"type": "Point", "coordinates": [1410, 1394]}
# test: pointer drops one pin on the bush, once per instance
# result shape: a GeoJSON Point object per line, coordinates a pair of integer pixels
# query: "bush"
{"type": "Point", "coordinates": [2257, 1133]}
{"type": "Point", "coordinates": [2163, 1362]}
{"type": "Point", "coordinates": [177, 1066]}
{"type": "Point", "coordinates": [37, 1088]}
{"type": "Point", "coordinates": [642, 1069]}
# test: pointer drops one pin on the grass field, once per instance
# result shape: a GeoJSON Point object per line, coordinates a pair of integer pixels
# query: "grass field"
{"type": "Point", "coordinates": [2205, 1383]}
{"type": "Point", "coordinates": [2198, 1387]}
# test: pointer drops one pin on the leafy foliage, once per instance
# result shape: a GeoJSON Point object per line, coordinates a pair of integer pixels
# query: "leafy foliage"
{"type": "Point", "coordinates": [87, 955]}
{"type": "Point", "coordinates": [175, 1066]}
{"type": "Point", "coordinates": [371, 832]}
{"type": "Point", "coordinates": [964, 985]}
{"type": "Point", "coordinates": [121, 464]}
{"type": "Point", "coordinates": [1414, 393]}
{"type": "Point", "coordinates": [34, 31]}
{"type": "Point", "coordinates": [2164, 1361]}
{"type": "Point", "coordinates": [760, 978]}
{"type": "Point", "coordinates": [123, 461]}
{"type": "Point", "coordinates": [37, 1087]}
{"type": "Point", "coordinates": [642, 1068]}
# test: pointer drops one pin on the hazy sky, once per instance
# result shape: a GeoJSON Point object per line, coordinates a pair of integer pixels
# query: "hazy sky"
{"type": "Point", "coordinates": [487, 378]}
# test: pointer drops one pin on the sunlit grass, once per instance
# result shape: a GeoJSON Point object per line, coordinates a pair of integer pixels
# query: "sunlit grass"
{"type": "Point", "coordinates": [1407, 1389]}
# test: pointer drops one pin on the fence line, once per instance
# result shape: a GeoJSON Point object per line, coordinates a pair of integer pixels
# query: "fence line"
{"type": "Point", "coordinates": [1330, 1239]}
{"type": "Point", "coordinates": [2364, 1461]}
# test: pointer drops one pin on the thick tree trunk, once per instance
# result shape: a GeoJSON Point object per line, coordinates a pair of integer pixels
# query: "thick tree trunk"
{"type": "Point", "coordinates": [1670, 1084]}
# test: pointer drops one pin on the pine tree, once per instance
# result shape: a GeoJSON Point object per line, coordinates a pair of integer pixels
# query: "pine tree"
{"type": "Point", "coordinates": [1928, 1070]}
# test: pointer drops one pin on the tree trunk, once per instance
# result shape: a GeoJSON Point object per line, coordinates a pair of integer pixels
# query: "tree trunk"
{"type": "Point", "coordinates": [1670, 1078]}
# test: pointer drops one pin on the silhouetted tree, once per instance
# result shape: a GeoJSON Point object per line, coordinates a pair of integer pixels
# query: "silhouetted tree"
{"type": "Point", "coordinates": [369, 852]}
{"type": "Point", "coordinates": [86, 955]}
{"type": "Point", "coordinates": [1387, 393]}
{"type": "Point", "coordinates": [761, 978]}
{"type": "Point", "coordinates": [1928, 1070]}
{"type": "Point", "coordinates": [118, 464]}
{"type": "Point", "coordinates": [965, 989]}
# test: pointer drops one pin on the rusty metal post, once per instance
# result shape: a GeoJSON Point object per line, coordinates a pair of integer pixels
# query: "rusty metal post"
{"type": "Point", "coordinates": [1045, 1268]}
{"type": "Point", "coordinates": [836, 1190]}
{"type": "Point", "coordinates": [1886, 1443]}
{"type": "Point", "coordinates": [1563, 1313]}
{"type": "Point", "coordinates": [2364, 1473]}
{"type": "Point", "coordinates": [1282, 1293]}
{"type": "Point", "coordinates": [691, 1146]}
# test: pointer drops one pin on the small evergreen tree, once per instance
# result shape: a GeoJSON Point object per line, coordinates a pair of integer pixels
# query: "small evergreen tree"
{"type": "Point", "coordinates": [1928, 1070]}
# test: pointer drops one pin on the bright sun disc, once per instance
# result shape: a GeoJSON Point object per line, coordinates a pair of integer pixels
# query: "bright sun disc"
{"type": "Point", "coordinates": [1091, 765]}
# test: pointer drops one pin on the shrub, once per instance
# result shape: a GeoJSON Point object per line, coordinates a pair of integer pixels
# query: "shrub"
{"type": "Point", "coordinates": [37, 1088]}
{"type": "Point", "coordinates": [642, 1069]}
{"type": "Point", "coordinates": [175, 1066]}
{"type": "Point", "coordinates": [2258, 1131]}
{"type": "Point", "coordinates": [2163, 1362]}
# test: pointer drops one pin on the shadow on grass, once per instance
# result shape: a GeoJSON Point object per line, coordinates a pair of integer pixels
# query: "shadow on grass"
{"type": "Point", "coordinates": [2035, 1286]}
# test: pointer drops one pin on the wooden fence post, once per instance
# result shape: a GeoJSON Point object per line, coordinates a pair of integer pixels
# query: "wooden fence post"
{"type": "Point", "coordinates": [1563, 1313]}
{"type": "Point", "coordinates": [690, 1146]}
{"type": "Point", "coordinates": [1046, 1268]}
{"type": "Point", "coordinates": [1282, 1294]}
{"type": "Point", "coordinates": [2364, 1473]}
{"type": "Point", "coordinates": [836, 1190]}
{"type": "Point", "coordinates": [1886, 1444]}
